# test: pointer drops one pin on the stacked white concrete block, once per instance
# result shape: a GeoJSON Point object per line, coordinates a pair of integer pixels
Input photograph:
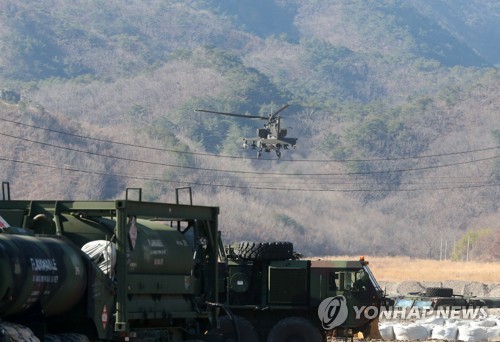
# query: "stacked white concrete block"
{"type": "Point", "coordinates": [438, 328]}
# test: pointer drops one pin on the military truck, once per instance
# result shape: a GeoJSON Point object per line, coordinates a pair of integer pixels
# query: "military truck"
{"type": "Point", "coordinates": [441, 297]}
{"type": "Point", "coordinates": [279, 296]}
{"type": "Point", "coordinates": [108, 270]}
{"type": "Point", "coordinates": [146, 271]}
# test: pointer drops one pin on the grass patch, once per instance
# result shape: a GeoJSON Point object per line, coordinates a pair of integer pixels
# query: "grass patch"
{"type": "Point", "coordinates": [405, 268]}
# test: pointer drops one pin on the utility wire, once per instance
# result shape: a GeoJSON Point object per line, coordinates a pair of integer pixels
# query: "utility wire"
{"type": "Point", "coordinates": [238, 157]}
{"type": "Point", "coordinates": [100, 173]}
{"type": "Point", "coordinates": [343, 181]}
{"type": "Point", "coordinates": [248, 172]}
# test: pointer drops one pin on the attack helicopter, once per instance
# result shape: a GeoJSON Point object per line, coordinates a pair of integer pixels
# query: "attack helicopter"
{"type": "Point", "coordinates": [271, 137]}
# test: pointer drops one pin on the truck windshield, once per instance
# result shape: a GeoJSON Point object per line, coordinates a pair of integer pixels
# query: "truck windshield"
{"type": "Point", "coordinates": [372, 278]}
{"type": "Point", "coordinates": [354, 279]}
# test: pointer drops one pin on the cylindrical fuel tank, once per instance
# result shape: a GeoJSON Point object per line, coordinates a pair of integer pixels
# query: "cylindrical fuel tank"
{"type": "Point", "coordinates": [153, 247]}
{"type": "Point", "coordinates": [39, 272]}
{"type": "Point", "coordinates": [158, 249]}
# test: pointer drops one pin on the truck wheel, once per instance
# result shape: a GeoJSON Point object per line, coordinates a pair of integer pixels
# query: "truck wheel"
{"type": "Point", "coordinates": [265, 250]}
{"type": "Point", "coordinates": [73, 337]}
{"type": "Point", "coordinates": [66, 337]}
{"type": "Point", "coordinates": [246, 330]}
{"type": "Point", "coordinates": [15, 332]}
{"type": "Point", "coordinates": [439, 292]}
{"type": "Point", "coordinates": [294, 329]}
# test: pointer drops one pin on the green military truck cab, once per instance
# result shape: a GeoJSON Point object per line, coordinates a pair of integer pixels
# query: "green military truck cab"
{"type": "Point", "coordinates": [280, 295]}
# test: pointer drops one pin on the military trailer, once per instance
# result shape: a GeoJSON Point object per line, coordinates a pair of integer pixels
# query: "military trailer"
{"type": "Point", "coordinates": [279, 296]}
{"type": "Point", "coordinates": [108, 270]}
{"type": "Point", "coordinates": [435, 298]}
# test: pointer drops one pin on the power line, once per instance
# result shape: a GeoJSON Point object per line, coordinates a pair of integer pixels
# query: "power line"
{"type": "Point", "coordinates": [120, 143]}
{"type": "Point", "coordinates": [248, 172]}
{"type": "Point", "coordinates": [344, 181]}
{"type": "Point", "coordinates": [100, 173]}
{"type": "Point", "coordinates": [238, 157]}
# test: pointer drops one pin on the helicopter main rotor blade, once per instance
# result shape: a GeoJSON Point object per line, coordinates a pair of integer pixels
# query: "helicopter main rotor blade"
{"type": "Point", "coordinates": [232, 114]}
{"type": "Point", "coordinates": [281, 109]}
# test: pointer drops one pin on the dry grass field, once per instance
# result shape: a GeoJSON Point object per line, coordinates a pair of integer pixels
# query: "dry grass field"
{"type": "Point", "coordinates": [397, 269]}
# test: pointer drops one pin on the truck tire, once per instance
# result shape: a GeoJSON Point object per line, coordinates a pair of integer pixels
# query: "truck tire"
{"type": "Point", "coordinates": [265, 250]}
{"type": "Point", "coordinates": [246, 330]}
{"type": "Point", "coordinates": [296, 329]}
{"type": "Point", "coordinates": [439, 292]}
{"type": "Point", "coordinates": [16, 332]}
{"type": "Point", "coordinates": [66, 337]}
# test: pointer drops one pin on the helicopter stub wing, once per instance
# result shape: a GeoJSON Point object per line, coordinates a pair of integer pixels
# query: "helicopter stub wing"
{"type": "Point", "coordinates": [271, 143]}
{"type": "Point", "coordinates": [289, 141]}
{"type": "Point", "coordinates": [282, 142]}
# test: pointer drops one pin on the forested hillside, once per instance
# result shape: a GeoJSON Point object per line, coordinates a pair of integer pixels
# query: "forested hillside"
{"type": "Point", "coordinates": [394, 103]}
